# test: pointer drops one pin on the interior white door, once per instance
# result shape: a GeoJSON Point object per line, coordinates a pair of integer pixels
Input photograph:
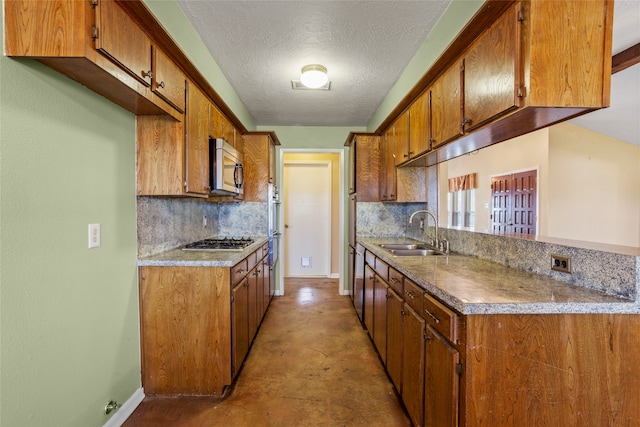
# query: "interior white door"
{"type": "Point", "coordinates": [307, 218]}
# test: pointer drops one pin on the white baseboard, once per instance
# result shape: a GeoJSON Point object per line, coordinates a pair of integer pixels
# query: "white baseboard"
{"type": "Point", "coordinates": [127, 408]}
{"type": "Point", "coordinates": [334, 275]}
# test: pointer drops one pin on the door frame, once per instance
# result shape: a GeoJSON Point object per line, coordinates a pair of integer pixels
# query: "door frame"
{"type": "Point", "coordinates": [327, 164]}
{"type": "Point", "coordinates": [341, 246]}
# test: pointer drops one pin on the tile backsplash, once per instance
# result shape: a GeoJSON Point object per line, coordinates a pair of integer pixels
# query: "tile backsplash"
{"type": "Point", "coordinates": [167, 223]}
{"type": "Point", "coordinates": [377, 219]}
{"type": "Point", "coordinates": [609, 272]}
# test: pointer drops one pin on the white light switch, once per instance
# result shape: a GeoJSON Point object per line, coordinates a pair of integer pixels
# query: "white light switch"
{"type": "Point", "coordinates": [305, 261]}
{"type": "Point", "coordinates": [94, 236]}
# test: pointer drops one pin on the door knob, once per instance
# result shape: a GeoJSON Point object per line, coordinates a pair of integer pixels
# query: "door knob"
{"type": "Point", "coordinates": [286, 226]}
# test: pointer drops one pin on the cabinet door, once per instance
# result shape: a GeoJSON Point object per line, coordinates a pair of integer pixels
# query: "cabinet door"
{"type": "Point", "coordinates": [123, 41]}
{"type": "Point", "coordinates": [380, 317]}
{"type": "Point", "coordinates": [240, 324]}
{"type": "Point", "coordinates": [352, 167]}
{"type": "Point", "coordinates": [266, 286]}
{"type": "Point", "coordinates": [491, 72]}
{"type": "Point", "coordinates": [369, 283]}
{"type": "Point", "coordinates": [351, 266]}
{"type": "Point", "coordinates": [255, 288]}
{"type": "Point", "coordinates": [367, 168]}
{"type": "Point", "coordinates": [413, 364]}
{"type": "Point", "coordinates": [168, 80]}
{"type": "Point", "coordinates": [197, 142]}
{"type": "Point", "coordinates": [446, 107]}
{"type": "Point", "coordinates": [256, 168]}
{"type": "Point", "coordinates": [401, 134]}
{"type": "Point", "coordinates": [358, 282]}
{"type": "Point", "coordinates": [229, 132]}
{"type": "Point", "coordinates": [395, 306]}
{"type": "Point", "coordinates": [441, 382]}
{"type": "Point", "coordinates": [388, 176]}
{"type": "Point", "coordinates": [272, 161]}
{"type": "Point", "coordinates": [215, 122]}
{"type": "Point", "coordinates": [419, 126]}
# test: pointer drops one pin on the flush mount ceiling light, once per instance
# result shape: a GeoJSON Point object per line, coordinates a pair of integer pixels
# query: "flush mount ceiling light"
{"type": "Point", "coordinates": [314, 76]}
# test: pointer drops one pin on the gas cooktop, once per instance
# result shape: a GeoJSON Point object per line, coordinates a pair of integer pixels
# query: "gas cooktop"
{"type": "Point", "coordinates": [222, 244]}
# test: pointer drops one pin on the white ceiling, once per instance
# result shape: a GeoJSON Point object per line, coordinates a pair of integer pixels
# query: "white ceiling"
{"type": "Point", "coordinates": [261, 46]}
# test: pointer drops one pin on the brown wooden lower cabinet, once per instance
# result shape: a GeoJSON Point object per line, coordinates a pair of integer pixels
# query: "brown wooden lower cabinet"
{"type": "Point", "coordinates": [197, 325]}
{"type": "Point", "coordinates": [240, 324]}
{"type": "Point", "coordinates": [441, 381]}
{"type": "Point", "coordinates": [369, 277]}
{"type": "Point", "coordinates": [413, 364]}
{"type": "Point", "coordinates": [454, 370]}
{"type": "Point", "coordinates": [551, 369]}
{"type": "Point", "coordinates": [395, 307]}
{"type": "Point", "coordinates": [380, 317]}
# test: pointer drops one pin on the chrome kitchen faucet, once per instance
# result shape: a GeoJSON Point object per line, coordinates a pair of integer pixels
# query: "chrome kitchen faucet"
{"type": "Point", "coordinates": [435, 221]}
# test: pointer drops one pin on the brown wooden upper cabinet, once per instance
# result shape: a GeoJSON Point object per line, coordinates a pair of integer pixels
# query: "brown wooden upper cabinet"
{"type": "Point", "coordinates": [492, 72]}
{"type": "Point", "coordinates": [196, 140]}
{"type": "Point", "coordinates": [400, 133]}
{"type": "Point", "coordinates": [419, 126]}
{"type": "Point", "coordinates": [388, 177]}
{"type": "Point", "coordinates": [364, 152]}
{"type": "Point", "coordinates": [96, 43]}
{"type": "Point", "coordinates": [513, 69]}
{"type": "Point", "coordinates": [168, 80]}
{"type": "Point", "coordinates": [446, 107]}
{"type": "Point", "coordinates": [259, 164]}
{"type": "Point", "coordinates": [221, 127]}
{"type": "Point", "coordinates": [118, 37]}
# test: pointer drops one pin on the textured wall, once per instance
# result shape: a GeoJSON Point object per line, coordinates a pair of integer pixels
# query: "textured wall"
{"type": "Point", "coordinates": [69, 314]}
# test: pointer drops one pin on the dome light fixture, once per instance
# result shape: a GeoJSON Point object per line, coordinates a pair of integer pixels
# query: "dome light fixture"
{"type": "Point", "coordinates": [314, 76]}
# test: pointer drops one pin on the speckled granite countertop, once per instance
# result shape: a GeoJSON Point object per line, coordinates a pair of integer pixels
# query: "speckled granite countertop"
{"type": "Point", "coordinates": [474, 286]}
{"type": "Point", "coordinates": [179, 258]}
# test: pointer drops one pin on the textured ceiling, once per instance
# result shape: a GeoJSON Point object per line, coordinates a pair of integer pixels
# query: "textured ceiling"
{"type": "Point", "coordinates": [261, 46]}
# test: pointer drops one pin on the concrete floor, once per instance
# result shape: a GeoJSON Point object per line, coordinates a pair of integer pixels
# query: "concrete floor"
{"type": "Point", "coordinates": [311, 364]}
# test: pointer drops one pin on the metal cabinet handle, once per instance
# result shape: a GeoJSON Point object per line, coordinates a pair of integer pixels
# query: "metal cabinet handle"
{"type": "Point", "coordinates": [432, 315]}
{"type": "Point", "coordinates": [161, 84]}
{"type": "Point", "coordinates": [409, 294]}
{"type": "Point", "coordinates": [147, 74]}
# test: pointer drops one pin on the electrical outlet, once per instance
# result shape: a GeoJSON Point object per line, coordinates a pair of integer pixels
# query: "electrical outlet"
{"type": "Point", "coordinates": [561, 263]}
{"type": "Point", "coordinates": [94, 236]}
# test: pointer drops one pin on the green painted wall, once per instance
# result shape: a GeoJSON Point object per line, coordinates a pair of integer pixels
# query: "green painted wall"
{"type": "Point", "coordinates": [68, 314]}
{"type": "Point", "coordinates": [450, 24]}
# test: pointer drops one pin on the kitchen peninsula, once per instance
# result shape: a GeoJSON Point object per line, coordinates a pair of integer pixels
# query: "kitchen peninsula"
{"type": "Point", "coordinates": [493, 345]}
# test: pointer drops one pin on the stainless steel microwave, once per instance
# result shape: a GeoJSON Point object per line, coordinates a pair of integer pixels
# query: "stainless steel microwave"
{"type": "Point", "coordinates": [226, 175]}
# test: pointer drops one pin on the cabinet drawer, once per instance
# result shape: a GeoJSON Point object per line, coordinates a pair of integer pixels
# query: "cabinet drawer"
{"type": "Point", "coordinates": [238, 271]}
{"type": "Point", "coordinates": [252, 260]}
{"type": "Point", "coordinates": [413, 295]}
{"type": "Point", "coordinates": [441, 318]}
{"type": "Point", "coordinates": [263, 251]}
{"type": "Point", "coordinates": [370, 259]}
{"type": "Point", "coordinates": [396, 281]}
{"type": "Point", "coordinates": [382, 268]}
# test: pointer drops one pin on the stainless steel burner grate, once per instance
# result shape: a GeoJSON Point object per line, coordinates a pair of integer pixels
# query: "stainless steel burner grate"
{"type": "Point", "coordinates": [221, 244]}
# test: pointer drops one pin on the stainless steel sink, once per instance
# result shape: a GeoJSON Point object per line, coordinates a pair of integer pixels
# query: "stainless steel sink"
{"type": "Point", "coordinates": [394, 246]}
{"type": "Point", "coordinates": [409, 249]}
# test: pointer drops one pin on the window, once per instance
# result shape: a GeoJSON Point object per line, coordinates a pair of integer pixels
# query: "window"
{"type": "Point", "coordinates": [461, 203]}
